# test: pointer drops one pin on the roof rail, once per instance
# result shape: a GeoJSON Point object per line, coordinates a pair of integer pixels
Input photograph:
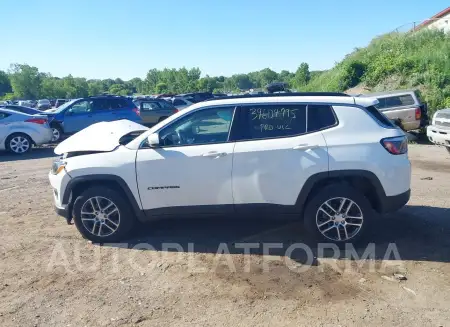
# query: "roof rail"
{"type": "Point", "coordinates": [106, 95]}
{"type": "Point", "coordinates": [288, 94]}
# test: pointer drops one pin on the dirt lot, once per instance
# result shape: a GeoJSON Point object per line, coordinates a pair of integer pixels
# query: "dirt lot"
{"type": "Point", "coordinates": [50, 276]}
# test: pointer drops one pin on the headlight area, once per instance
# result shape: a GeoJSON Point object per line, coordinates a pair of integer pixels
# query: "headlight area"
{"type": "Point", "coordinates": [433, 119]}
{"type": "Point", "coordinates": [58, 166]}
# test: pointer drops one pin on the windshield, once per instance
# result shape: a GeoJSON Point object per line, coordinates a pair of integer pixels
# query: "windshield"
{"type": "Point", "coordinates": [62, 107]}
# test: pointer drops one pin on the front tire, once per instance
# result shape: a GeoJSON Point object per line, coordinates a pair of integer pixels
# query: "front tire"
{"type": "Point", "coordinates": [19, 143]}
{"type": "Point", "coordinates": [338, 213]}
{"type": "Point", "coordinates": [102, 215]}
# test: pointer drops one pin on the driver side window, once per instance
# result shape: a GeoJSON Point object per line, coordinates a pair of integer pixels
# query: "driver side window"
{"type": "Point", "coordinates": [205, 126]}
{"type": "Point", "coordinates": [81, 107]}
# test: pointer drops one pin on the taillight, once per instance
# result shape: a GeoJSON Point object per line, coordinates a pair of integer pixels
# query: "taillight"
{"type": "Point", "coordinates": [418, 113]}
{"type": "Point", "coordinates": [175, 110]}
{"type": "Point", "coordinates": [137, 111]}
{"type": "Point", "coordinates": [40, 121]}
{"type": "Point", "coordinates": [395, 145]}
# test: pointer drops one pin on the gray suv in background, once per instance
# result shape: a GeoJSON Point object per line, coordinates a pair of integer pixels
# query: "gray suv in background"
{"type": "Point", "coordinates": [154, 110]}
{"type": "Point", "coordinates": [404, 108]}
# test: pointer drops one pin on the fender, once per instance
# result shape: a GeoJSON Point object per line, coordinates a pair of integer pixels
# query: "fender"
{"type": "Point", "coordinates": [338, 174]}
{"type": "Point", "coordinates": [56, 122]}
{"type": "Point", "coordinates": [67, 196]}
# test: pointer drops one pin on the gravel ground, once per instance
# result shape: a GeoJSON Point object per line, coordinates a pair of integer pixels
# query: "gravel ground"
{"type": "Point", "coordinates": [50, 276]}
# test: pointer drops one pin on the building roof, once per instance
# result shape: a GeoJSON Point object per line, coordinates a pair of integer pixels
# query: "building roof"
{"type": "Point", "coordinates": [434, 18]}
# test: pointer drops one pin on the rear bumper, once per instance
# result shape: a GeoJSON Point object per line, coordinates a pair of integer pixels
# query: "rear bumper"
{"type": "Point", "coordinates": [396, 202]}
{"type": "Point", "coordinates": [411, 125]}
{"type": "Point", "coordinates": [63, 212]}
{"type": "Point", "coordinates": [438, 135]}
{"type": "Point", "coordinates": [44, 136]}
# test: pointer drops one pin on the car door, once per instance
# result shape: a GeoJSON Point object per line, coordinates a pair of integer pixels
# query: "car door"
{"type": "Point", "coordinates": [120, 108]}
{"type": "Point", "coordinates": [275, 157]}
{"type": "Point", "coordinates": [78, 116]}
{"type": "Point", "coordinates": [102, 111]}
{"type": "Point", "coordinates": [191, 170]}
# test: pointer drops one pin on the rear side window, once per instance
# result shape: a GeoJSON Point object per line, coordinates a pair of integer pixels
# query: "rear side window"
{"type": "Point", "coordinates": [165, 105]}
{"type": "Point", "coordinates": [178, 102]}
{"type": "Point", "coordinates": [320, 117]}
{"type": "Point", "coordinates": [274, 121]}
{"type": "Point", "coordinates": [147, 106]}
{"type": "Point", "coordinates": [395, 101]}
{"type": "Point", "coordinates": [118, 103]}
{"type": "Point", "coordinates": [379, 117]}
{"type": "Point", "coordinates": [101, 104]}
{"type": "Point", "coordinates": [3, 115]}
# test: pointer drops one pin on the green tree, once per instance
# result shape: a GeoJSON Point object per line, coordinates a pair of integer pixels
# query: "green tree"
{"type": "Point", "coordinates": [207, 84]}
{"type": "Point", "coordinates": [161, 88]}
{"type": "Point", "coordinates": [302, 75]}
{"type": "Point", "coordinates": [243, 82]}
{"type": "Point", "coordinates": [151, 80]}
{"type": "Point", "coordinates": [25, 81]}
{"type": "Point", "coordinates": [137, 85]}
{"type": "Point", "coordinates": [286, 76]}
{"type": "Point", "coordinates": [5, 84]}
{"type": "Point", "coordinates": [96, 87]}
{"type": "Point", "coordinates": [267, 76]}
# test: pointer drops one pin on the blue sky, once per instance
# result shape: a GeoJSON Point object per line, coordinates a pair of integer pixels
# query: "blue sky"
{"type": "Point", "coordinates": [126, 38]}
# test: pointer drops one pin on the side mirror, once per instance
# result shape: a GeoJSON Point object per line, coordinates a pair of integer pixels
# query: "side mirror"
{"type": "Point", "coordinates": [153, 140]}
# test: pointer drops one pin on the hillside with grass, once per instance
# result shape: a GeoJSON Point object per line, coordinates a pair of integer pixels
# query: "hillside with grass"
{"type": "Point", "coordinates": [419, 60]}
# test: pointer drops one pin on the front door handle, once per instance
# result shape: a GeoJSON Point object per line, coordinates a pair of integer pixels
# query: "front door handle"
{"type": "Point", "coordinates": [305, 146]}
{"type": "Point", "coordinates": [214, 154]}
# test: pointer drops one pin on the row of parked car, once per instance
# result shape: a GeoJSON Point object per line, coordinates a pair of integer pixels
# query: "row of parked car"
{"type": "Point", "coordinates": [42, 104]}
{"type": "Point", "coordinates": [23, 126]}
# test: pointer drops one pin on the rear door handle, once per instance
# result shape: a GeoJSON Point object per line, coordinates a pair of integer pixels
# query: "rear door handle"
{"type": "Point", "coordinates": [305, 146]}
{"type": "Point", "coordinates": [214, 154]}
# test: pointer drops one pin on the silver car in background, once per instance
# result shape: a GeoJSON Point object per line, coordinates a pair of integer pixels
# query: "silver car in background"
{"type": "Point", "coordinates": [43, 104]}
{"type": "Point", "coordinates": [19, 131]}
{"type": "Point", "coordinates": [180, 103]}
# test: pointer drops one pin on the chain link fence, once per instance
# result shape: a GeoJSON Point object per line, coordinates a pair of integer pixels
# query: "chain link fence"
{"type": "Point", "coordinates": [439, 23]}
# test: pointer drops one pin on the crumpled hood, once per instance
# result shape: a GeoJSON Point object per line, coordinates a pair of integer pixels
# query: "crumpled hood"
{"type": "Point", "coordinates": [103, 136]}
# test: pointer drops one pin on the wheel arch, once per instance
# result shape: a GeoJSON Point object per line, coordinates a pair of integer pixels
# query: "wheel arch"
{"type": "Point", "coordinates": [57, 124]}
{"type": "Point", "coordinates": [77, 184]}
{"type": "Point", "coordinates": [365, 181]}
{"type": "Point", "coordinates": [18, 132]}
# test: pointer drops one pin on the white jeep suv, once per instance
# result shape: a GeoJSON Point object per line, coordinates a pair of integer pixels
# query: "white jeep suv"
{"type": "Point", "coordinates": [327, 158]}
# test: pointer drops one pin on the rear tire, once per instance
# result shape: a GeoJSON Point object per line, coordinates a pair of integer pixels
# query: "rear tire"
{"type": "Point", "coordinates": [56, 133]}
{"type": "Point", "coordinates": [102, 215]}
{"type": "Point", "coordinates": [19, 143]}
{"type": "Point", "coordinates": [339, 214]}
